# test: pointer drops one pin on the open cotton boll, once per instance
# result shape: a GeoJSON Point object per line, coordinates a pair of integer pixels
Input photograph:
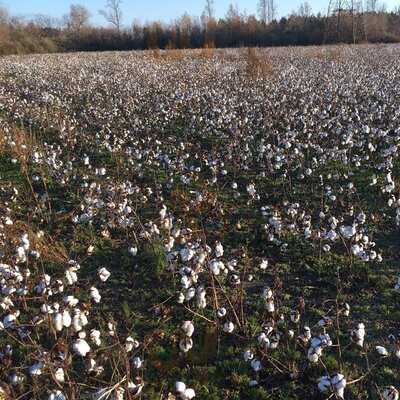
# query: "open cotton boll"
{"type": "Point", "coordinates": [36, 369]}
{"type": "Point", "coordinates": [186, 344]}
{"type": "Point", "coordinates": [188, 394]}
{"type": "Point", "coordinates": [228, 327]}
{"type": "Point", "coordinates": [95, 295]}
{"type": "Point", "coordinates": [358, 334]}
{"type": "Point", "coordinates": [59, 375]}
{"type": "Point", "coordinates": [188, 328]}
{"type": "Point", "coordinates": [390, 393]}
{"type": "Point", "coordinates": [81, 347]}
{"type": "Point", "coordinates": [95, 337]}
{"type": "Point", "coordinates": [382, 351]}
{"type": "Point", "coordinates": [57, 395]}
{"type": "Point", "coordinates": [180, 387]}
{"type": "Point", "coordinates": [104, 274]}
{"type": "Point", "coordinates": [133, 250]}
{"type": "Point", "coordinates": [137, 362]}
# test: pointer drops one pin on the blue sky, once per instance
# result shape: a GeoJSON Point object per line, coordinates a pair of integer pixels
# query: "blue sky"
{"type": "Point", "coordinates": [149, 10]}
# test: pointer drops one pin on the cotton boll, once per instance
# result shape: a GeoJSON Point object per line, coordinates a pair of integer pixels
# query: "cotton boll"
{"type": "Point", "coordinates": [382, 351]}
{"type": "Point", "coordinates": [66, 319]}
{"type": "Point", "coordinates": [81, 347]}
{"type": "Point", "coordinates": [36, 369]}
{"type": "Point", "coordinates": [59, 375]}
{"type": "Point", "coordinates": [95, 337]}
{"type": "Point", "coordinates": [256, 365]}
{"type": "Point", "coordinates": [188, 328]}
{"type": "Point", "coordinates": [95, 295]}
{"type": "Point", "coordinates": [248, 355]}
{"type": "Point", "coordinates": [130, 344]}
{"type": "Point", "coordinates": [219, 250]}
{"type": "Point", "coordinates": [228, 327]}
{"type": "Point", "coordinates": [390, 393]}
{"type": "Point", "coordinates": [57, 395]}
{"type": "Point", "coordinates": [221, 312]}
{"type": "Point", "coordinates": [186, 344]}
{"type": "Point", "coordinates": [137, 362]}
{"type": "Point", "coordinates": [133, 250]}
{"type": "Point", "coordinates": [188, 394]}
{"type": "Point", "coordinates": [104, 274]}
{"type": "Point", "coordinates": [58, 321]}
{"type": "Point", "coordinates": [358, 335]}
{"type": "Point", "coordinates": [180, 387]}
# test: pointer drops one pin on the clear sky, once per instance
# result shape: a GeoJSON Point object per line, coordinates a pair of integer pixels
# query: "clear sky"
{"type": "Point", "coordinates": [149, 10]}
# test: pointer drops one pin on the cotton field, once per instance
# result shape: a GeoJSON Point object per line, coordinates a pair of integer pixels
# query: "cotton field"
{"type": "Point", "coordinates": [203, 224]}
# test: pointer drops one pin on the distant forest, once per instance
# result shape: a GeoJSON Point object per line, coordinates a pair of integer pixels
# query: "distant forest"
{"type": "Point", "coordinates": [357, 23]}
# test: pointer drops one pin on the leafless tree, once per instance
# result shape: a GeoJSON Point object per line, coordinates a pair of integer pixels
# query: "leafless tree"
{"type": "Point", "coordinates": [4, 17]}
{"type": "Point", "coordinates": [209, 9]}
{"type": "Point", "coordinates": [305, 10]}
{"type": "Point", "coordinates": [267, 10]}
{"type": "Point", "coordinates": [113, 13]}
{"type": "Point", "coordinates": [77, 18]}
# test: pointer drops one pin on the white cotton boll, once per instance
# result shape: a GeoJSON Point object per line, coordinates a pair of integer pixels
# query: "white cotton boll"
{"type": "Point", "coordinates": [81, 347]}
{"type": "Point", "coordinates": [256, 365]}
{"type": "Point", "coordinates": [186, 254]}
{"type": "Point", "coordinates": [95, 337]}
{"type": "Point", "coordinates": [264, 265]}
{"type": "Point", "coordinates": [104, 274]}
{"type": "Point", "coordinates": [339, 383]}
{"type": "Point", "coordinates": [137, 362]}
{"type": "Point", "coordinates": [248, 355]}
{"type": "Point", "coordinates": [36, 369]}
{"type": "Point", "coordinates": [71, 301]}
{"type": "Point", "coordinates": [59, 375]}
{"type": "Point", "coordinates": [382, 351]}
{"type": "Point", "coordinates": [58, 321]}
{"type": "Point", "coordinates": [228, 327]}
{"type": "Point", "coordinates": [390, 393]}
{"type": "Point", "coordinates": [216, 266]}
{"type": "Point", "coordinates": [358, 334]}
{"type": "Point", "coordinates": [71, 276]}
{"type": "Point", "coordinates": [16, 379]}
{"type": "Point", "coordinates": [190, 294]}
{"type": "Point", "coordinates": [130, 344]}
{"type": "Point", "coordinates": [188, 394]}
{"type": "Point", "coordinates": [57, 395]}
{"type": "Point", "coordinates": [221, 312]}
{"type": "Point", "coordinates": [181, 298]}
{"type": "Point", "coordinates": [253, 383]}
{"type": "Point", "coordinates": [180, 387]}
{"type": "Point", "coordinates": [133, 250]}
{"type": "Point", "coordinates": [347, 231]}
{"type": "Point", "coordinates": [186, 344]}
{"type": "Point", "coordinates": [95, 295]}
{"type": "Point", "coordinates": [188, 328]}
{"type": "Point", "coordinates": [219, 250]}
{"type": "Point", "coordinates": [270, 306]}
{"type": "Point", "coordinates": [66, 318]}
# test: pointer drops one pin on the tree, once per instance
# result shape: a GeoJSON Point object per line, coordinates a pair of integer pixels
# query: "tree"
{"type": "Point", "coordinates": [305, 10]}
{"type": "Point", "coordinates": [209, 9]}
{"type": "Point", "coordinates": [113, 13]}
{"type": "Point", "coordinates": [266, 11]}
{"type": "Point", "coordinates": [77, 18]}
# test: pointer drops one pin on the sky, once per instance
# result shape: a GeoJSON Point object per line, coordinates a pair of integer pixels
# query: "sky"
{"type": "Point", "coordinates": [150, 10]}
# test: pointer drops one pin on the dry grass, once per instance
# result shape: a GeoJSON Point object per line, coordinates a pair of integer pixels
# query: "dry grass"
{"type": "Point", "coordinates": [257, 66]}
{"type": "Point", "coordinates": [50, 250]}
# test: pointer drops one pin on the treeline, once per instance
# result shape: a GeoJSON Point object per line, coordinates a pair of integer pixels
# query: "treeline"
{"type": "Point", "coordinates": [75, 33]}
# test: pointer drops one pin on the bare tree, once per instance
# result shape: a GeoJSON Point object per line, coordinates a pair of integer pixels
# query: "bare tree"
{"type": "Point", "coordinates": [77, 18]}
{"type": "Point", "coordinates": [113, 13]}
{"type": "Point", "coordinates": [4, 17]}
{"type": "Point", "coordinates": [305, 10]}
{"type": "Point", "coordinates": [372, 5]}
{"type": "Point", "coordinates": [266, 10]}
{"type": "Point", "coordinates": [209, 9]}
